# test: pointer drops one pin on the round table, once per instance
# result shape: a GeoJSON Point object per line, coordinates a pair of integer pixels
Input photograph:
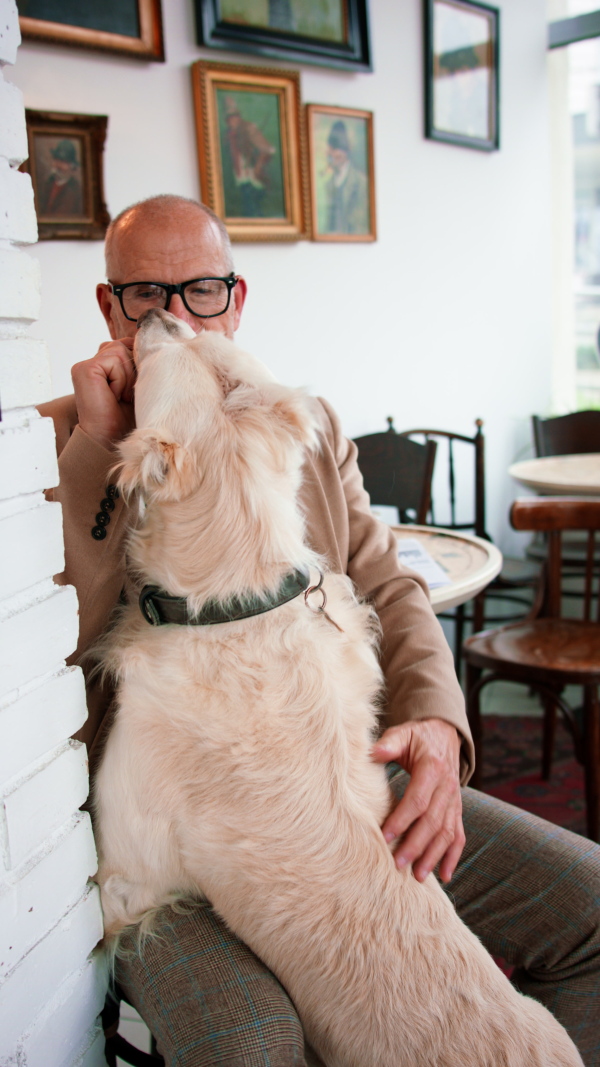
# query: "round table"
{"type": "Point", "coordinates": [470, 562]}
{"type": "Point", "coordinates": [577, 475]}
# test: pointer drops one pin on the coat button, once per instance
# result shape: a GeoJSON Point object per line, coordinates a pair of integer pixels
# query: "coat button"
{"type": "Point", "coordinates": [102, 518]}
{"type": "Point", "coordinates": [98, 533]}
{"type": "Point", "coordinates": [112, 492]}
{"type": "Point", "coordinates": [107, 504]}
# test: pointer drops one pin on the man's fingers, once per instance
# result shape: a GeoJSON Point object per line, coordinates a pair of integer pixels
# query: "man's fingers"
{"type": "Point", "coordinates": [104, 389]}
{"type": "Point", "coordinates": [433, 829]}
{"type": "Point", "coordinates": [392, 745]}
{"type": "Point", "coordinates": [452, 856]}
{"type": "Point", "coordinates": [441, 849]}
{"type": "Point", "coordinates": [427, 786]}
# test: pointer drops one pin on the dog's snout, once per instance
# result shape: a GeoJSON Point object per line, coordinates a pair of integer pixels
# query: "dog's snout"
{"type": "Point", "coordinates": [152, 314]}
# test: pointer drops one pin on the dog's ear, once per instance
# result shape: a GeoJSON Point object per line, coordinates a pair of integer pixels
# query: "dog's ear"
{"type": "Point", "coordinates": [153, 465]}
{"type": "Point", "coordinates": [288, 409]}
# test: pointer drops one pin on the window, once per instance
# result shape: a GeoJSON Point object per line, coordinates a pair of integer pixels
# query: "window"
{"type": "Point", "coordinates": [575, 89]}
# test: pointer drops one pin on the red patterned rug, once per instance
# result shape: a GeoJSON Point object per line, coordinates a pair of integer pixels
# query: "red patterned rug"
{"type": "Point", "coordinates": [512, 752]}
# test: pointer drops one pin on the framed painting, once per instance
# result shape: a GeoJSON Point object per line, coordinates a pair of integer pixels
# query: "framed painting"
{"type": "Point", "coordinates": [462, 73]}
{"type": "Point", "coordinates": [341, 168]}
{"type": "Point", "coordinates": [333, 33]}
{"type": "Point", "coordinates": [250, 149]}
{"type": "Point", "coordinates": [131, 27]}
{"type": "Point", "coordinates": [65, 164]}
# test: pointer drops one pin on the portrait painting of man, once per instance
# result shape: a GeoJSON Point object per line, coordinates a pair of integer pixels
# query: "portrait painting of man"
{"type": "Point", "coordinates": [65, 162]}
{"type": "Point", "coordinates": [251, 159]}
{"type": "Point", "coordinates": [340, 178]}
{"type": "Point", "coordinates": [58, 172]}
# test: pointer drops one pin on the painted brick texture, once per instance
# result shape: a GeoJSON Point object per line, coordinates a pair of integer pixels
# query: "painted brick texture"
{"type": "Point", "coordinates": [52, 983]}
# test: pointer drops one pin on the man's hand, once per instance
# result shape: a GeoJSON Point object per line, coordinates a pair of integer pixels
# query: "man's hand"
{"type": "Point", "coordinates": [430, 812]}
{"type": "Point", "coordinates": [104, 392]}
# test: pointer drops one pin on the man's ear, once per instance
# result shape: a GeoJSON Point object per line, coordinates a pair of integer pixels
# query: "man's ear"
{"type": "Point", "coordinates": [105, 302]}
{"type": "Point", "coordinates": [239, 297]}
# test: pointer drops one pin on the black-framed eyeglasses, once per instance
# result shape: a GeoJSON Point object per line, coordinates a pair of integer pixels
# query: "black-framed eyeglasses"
{"type": "Point", "coordinates": [204, 297]}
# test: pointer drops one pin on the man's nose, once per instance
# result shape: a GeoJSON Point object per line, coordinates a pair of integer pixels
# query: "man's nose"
{"type": "Point", "coordinates": [178, 308]}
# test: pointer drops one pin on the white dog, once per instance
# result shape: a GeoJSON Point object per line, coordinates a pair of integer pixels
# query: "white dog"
{"type": "Point", "coordinates": [238, 765]}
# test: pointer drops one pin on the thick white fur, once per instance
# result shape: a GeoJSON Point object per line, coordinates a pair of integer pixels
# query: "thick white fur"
{"type": "Point", "coordinates": [238, 765]}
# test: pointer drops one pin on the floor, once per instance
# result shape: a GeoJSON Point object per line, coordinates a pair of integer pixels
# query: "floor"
{"type": "Point", "coordinates": [134, 1030]}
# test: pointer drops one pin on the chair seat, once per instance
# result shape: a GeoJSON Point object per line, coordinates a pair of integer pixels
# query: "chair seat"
{"type": "Point", "coordinates": [559, 650]}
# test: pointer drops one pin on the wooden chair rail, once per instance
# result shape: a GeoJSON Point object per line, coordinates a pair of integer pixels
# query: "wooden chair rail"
{"type": "Point", "coordinates": [547, 513]}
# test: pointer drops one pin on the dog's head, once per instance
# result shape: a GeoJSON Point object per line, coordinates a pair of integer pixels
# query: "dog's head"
{"type": "Point", "coordinates": [197, 395]}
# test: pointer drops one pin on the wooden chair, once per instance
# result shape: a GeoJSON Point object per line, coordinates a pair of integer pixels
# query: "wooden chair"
{"type": "Point", "coordinates": [116, 1046]}
{"type": "Point", "coordinates": [397, 472]}
{"type": "Point", "coordinates": [567, 435]}
{"type": "Point", "coordinates": [518, 577]}
{"type": "Point", "coordinates": [547, 651]}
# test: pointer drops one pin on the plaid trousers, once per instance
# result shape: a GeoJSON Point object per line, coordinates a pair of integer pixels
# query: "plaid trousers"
{"type": "Point", "coordinates": [528, 889]}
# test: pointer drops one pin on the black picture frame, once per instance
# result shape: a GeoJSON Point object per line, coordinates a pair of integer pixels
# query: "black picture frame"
{"type": "Point", "coordinates": [462, 73]}
{"type": "Point", "coordinates": [134, 31]}
{"type": "Point", "coordinates": [354, 53]}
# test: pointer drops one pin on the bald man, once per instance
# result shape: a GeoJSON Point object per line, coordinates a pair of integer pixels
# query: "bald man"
{"type": "Point", "coordinates": [528, 889]}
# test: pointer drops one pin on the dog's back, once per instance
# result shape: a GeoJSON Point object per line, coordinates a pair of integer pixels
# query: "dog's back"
{"type": "Point", "coordinates": [238, 765]}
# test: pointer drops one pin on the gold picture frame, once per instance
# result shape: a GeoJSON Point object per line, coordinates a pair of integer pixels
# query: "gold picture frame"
{"type": "Point", "coordinates": [144, 39]}
{"type": "Point", "coordinates": [65, 164]}
{"type": "Point", "coordinates": [341, 173]}
{"type": "Point", "coordinates": [250, 149]}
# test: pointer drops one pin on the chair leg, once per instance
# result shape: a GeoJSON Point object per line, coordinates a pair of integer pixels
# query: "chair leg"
{"type": "Point", "coordinates": [474, 716]}
{"type": "Point", "coordinates": [479, 613]}
{"type": "Point", "coordinates": [548, 736]}
{"type": "Point", "coordinates": [591, 726]}
{"type": "Point", "coordinates": [110, 1056]}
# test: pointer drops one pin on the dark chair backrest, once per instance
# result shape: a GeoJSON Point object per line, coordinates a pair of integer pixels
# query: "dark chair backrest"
{"type": "Point", "coordinates": [397, 472]}
{"type": "Point", "coordinates": [474, 517]}
{"type": "Point", "coordinates": [567, 435]}
{"type": "Point", "coordinates": [553, 515]}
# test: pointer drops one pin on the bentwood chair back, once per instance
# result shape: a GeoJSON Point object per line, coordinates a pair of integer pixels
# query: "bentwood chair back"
{"type": "Point", "coordinates": [458, 503]}
{"type": "Point", "coordinates": [572, 434]}
{"type": "Point", "coordinates": [469, 514]}
{"type": "Point", "coordinates": [397, 472]}
{"type": "Point", "coordinates": [548, 651]}
{"type": "Point", "coordinates": [567, 435]}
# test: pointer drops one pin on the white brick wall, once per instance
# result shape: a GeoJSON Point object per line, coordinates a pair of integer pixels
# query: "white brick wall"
{"type": "Point", "coordinates": [52, 984]}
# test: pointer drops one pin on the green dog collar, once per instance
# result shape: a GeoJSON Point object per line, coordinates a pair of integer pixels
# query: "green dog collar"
{"type": "Point", "coordinates": [160, 609]}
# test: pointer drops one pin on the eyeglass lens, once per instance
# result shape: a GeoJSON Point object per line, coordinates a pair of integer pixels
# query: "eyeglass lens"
{"type": "Point", "coordinates": [209, 296]}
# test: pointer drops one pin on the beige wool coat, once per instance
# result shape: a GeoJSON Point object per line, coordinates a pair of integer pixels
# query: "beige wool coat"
{"type": "Point", "coordinates": [417, 662]}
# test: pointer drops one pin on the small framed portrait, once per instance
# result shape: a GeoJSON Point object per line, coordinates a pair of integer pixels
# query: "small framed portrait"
{"type": "Point", "coordinates": [342, 185]}
{"type": "Point", "coordinates": [462, 73]}
{"type": "Point", "coordinates": [65, 164]}
{"type": "Point", "coordinates": [131, 27]}
{"type": "Point", "coordinates": [250, 149]}
{"type": "Point", "coordinates": [333, 33]}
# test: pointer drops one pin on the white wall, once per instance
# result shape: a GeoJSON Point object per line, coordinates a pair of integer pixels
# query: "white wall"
{"type": "Point", "coordinates": [51, 990]}
{"type": "Point", "coordinates": [445, 318]}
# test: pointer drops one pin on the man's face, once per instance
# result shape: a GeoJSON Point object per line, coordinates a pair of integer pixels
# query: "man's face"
{"type": "Point", "coordinates": [63, 170]}
{"type": "Point", "coordinates": [337, 158]}
{"type": "Point", "coordinates": [185, 245]}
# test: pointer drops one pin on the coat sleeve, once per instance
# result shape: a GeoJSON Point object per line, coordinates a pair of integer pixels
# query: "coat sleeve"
{"type": "Point", "coordinates": [96, 567]}
{"type": "Point", "coordinates": [416, 659]}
